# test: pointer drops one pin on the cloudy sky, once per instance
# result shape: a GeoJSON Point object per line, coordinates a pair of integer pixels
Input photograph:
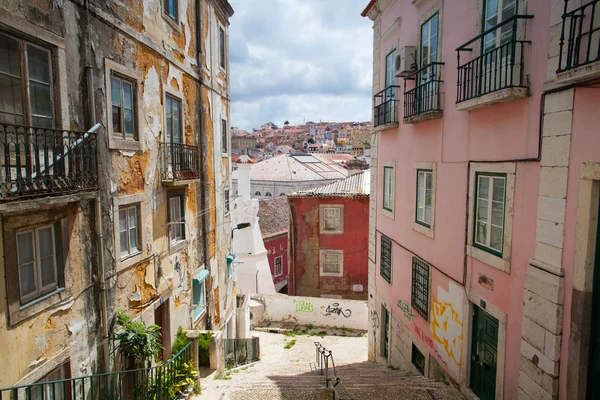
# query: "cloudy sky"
{"type": "Point", "coordinates": [299, 60]}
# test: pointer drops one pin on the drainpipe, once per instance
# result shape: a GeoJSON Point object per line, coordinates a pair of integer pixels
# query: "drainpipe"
{"type": "Point", "coordinates": [103, 303]}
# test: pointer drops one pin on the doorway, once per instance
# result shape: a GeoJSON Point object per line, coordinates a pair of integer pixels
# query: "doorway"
{"type": "Point", "coordinates": [593, 378]}
{"type": "Point", "coordinates": [484, 354]}
{"type": "Point", "coordinates": [161, 319]}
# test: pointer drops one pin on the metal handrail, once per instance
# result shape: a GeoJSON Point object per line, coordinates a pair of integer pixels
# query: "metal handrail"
{"type": "Point", "coordinates": [492, 29]}
{"type": "Point", "coordinates": [425, 96]}
{"type": "Point", "coordinates": [322, 356]}
{"type": "Point", "coordinates": [140, 383]}
{"type": "Point", "coordinates": [387, 89]}
{"type": "Point", "coordinates": [413, 74]}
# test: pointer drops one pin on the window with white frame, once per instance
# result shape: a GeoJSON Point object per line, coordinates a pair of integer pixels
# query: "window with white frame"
{"type": "Point", "coordinates": [176, 218]}
{"type": "Point", "coordinates": [222, 52]}
{"type": "Point", "coordinates": [490, 205]}
{"type": "Point", "coordinates": [332, 262]}
{"type": "Point", "coordinates": [123, 100]}
{"type": "Point", "coordinates": [54, 390]}
{"type": "Point", "coordinates": [36, 256]}
{"type": "Point", "coordinates": [390, 74]}
{"type": "Point", "coordinates": [332, 218]}
{"type": "Point", "coordinates": [26, 83]}
{"type": "Point", "coordinates": [388, 188]}
{"type": "Point", "coordinates": [278, 266]}
{"type": "Point", "coordinates": [171, 8]}
{"type": "Point", "coordinates": [199, 297]}
{"type": "Point", "coordinates": [494, 13]}
{"type": "Point", "coordinates": [424, 196]}
{"type": "Point", "coordinates": [128, 230]}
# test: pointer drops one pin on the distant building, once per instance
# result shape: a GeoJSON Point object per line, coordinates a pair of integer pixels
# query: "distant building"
{"type": "Point", "coordinates": [273, 218]}
{"type": "Point", "coordinates": [242, 142]}
{"type": "Point", "coordinates": [288, 173]}
{"type": "Point", "coordinates": [329, 230]}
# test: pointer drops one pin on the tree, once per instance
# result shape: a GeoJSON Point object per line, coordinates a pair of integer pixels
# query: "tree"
{"type": "Point", "coordinates": [286, 123]}
{"type": "Point", "coordinates": [311, 141]}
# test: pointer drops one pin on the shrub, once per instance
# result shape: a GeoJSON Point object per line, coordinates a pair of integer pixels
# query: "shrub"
{"type": "Point", "coordinates": [203, 349]}
{"type": "Point", "coordinates": [136, 340]}
{"type": "Point", "coordinates": [180, 341]}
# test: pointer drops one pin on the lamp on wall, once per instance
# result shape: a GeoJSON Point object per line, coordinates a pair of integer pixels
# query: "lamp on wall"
{"type": "Point", "coordinates": [240, 226]}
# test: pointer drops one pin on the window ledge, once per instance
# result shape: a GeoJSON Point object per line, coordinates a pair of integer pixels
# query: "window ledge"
{"type": "Point", "coordinates": [385, 127]}
{"type": "Point", "coordinates": [57, 298]}
{"type": "Point", "coordinates": [124, 144]}
{"type": "Point", "coordinates": [175, 182]}
{"type": "Point", "coordinates": [41, 298]}
{"type": "Point", "coordinates": [489, 259]}
{"type": "Point", "coordinates": [129, 260]}
{"type": "Point", "coordinates": [500, 96]}
{"type": "Point", "coordinates": [422, 229]}
{"type": "Point", "coordinates": [579, 74]}
{"type": "Point", "coordinates": [174, 24]}
{"type": "Point", "coordinates": [178, 246]}
{"type": "Point", "coordinates": [426, 116]}
{"type": "Point", "coordinates": [37, 203]}
{"type": "Point", "coordinates": [225, 155]}
{"type": "Point", "coordinates": [389, 214]}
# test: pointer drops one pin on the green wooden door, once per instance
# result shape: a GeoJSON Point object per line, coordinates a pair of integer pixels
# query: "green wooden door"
{"type": "Point", "coordinates": [386, 334]}
{"type": "Point", "coordinates": [484, 354]}
{"type": "Point", "coordinates": [593, 379]}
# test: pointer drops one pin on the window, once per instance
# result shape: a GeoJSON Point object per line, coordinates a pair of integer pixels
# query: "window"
{"type": "Point", "coordinates": [420, 287]}
{"type": "Point", "coordinates": [199, 293]}
{"type": "Point", "coordinates": [429, 42]}
{"type": "Point", "coordinates": [268, 194]}
{"type": "Point", "coordinates": [278, 266]}
{"type": "Point", "coordinates": [332, 262]}
{"type": "Point", "coordinates": [171, 8]}
{"type": "Point", "coordinates": [385, 261]}
{"type": "Point", "coordinates": [388, 188]}
{"type": "Point", "coordinates": [332, 218]}
{"type": "Point", "coordinates": [173, 119]}
{"type": "Point", "coordinates": [226, 201]}
{"type": "Point", "coordinates": [128, 230]}
{"type": "Point", "coordinates": [390, 74]}
{"type": "Point", "coordinates": [36, 256]}
{"type": "Point", "coordinates": [55, 391]}
{"type": "Point", "coordinates": [176, 218]}
{"type": "Point", "coordinates": [424, 194]}
{"type": "Point", "coordinates": [281, 194]}
{"type": "Point", "coordinates": [222, 61]}
{"type": "Point", "coordinates": [26, 90]}
{"type": "Point", "coordinates": [257, 193]}
{"type": "Point", "coordinates": [418, 359]}
{"type": "Point", "coordinates": [490, 197]}
{"type": "Point", "coordinates": [123, 98]}
{"type": "Point", "coordinates": [224, 135]}
{"type": "Point", "coordinates": [495, 12]}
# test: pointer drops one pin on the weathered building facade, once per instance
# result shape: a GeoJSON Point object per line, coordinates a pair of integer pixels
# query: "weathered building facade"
{"type": "Point", "coordinates": [328, 239]}
{"type": "Point", "coordinates": [273, 218]}
{"type": "Point", "coordinates": [129, 215]}
{"type": "Point", "coordinates": [484, 261]}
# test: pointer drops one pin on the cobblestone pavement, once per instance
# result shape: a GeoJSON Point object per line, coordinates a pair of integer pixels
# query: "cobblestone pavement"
{"type": "Point", "coordinates": [289, 374]}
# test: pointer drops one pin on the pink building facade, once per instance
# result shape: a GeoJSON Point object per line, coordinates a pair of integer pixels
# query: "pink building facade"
{"type": "Point", "coordinates": [485, 195]}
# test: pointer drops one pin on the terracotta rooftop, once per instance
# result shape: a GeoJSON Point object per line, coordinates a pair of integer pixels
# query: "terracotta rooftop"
{"type": "Point", "coordinates": [368, 8]}
{"type": "Point", "coordinates": [357, 185]}
{"type": "Point", "coordinates": [273, 216]}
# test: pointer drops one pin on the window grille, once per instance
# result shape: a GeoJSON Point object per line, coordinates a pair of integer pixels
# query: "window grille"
{"type": "Point", "coordinates": [420, 287]}
{"type": "Point", "coordinates": [385, 262]}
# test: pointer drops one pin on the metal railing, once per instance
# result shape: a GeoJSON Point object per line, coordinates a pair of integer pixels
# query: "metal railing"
{"type": "Point", "coordinates": [179, 162]}
{"type": "Point", "coordinates": [580, 36]}
{"type": "Point", "coordinates": [322, 360]}
{"type": "Point", "coordinates": [495, 69]}
{"type": "Point", "coordinates": [136, 384]}
{"type": "Point", "coordinates": [385, 108]}
{"type": "Point", "coordinates": [425, 96]}
{"type": "Point", "coordinates": [240, 351]}
{"type": "Point", "coordinates": [42, 162]}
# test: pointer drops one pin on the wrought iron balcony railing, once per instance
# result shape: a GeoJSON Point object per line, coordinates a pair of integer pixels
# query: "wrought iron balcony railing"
{"type": "Point", "coordinates": [240, 351]}
{"type": "Point", "coordinates": [385, 108]}
{"type": "Point", "coordinates": [43, 162]}
{"type": "Point", "coordinates": [425, 96]}
{"type": "Point", "coordinates": [179, 162]}
{"type": "Point", "coordinates": [136, 384]}
{"type": "Point", "coordinates": [494, 69]}
{"type": "Point", "coordinates": [580, 36]}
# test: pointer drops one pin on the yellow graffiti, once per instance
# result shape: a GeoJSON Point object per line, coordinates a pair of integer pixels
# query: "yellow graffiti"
{"type": "Point", "coordinates": [446, 329]}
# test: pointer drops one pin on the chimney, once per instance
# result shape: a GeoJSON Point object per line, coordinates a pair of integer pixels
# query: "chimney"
{"type": "Point", "coordinates": [356, 166]}
{"type": "Point", "coordinates": [244, 167]}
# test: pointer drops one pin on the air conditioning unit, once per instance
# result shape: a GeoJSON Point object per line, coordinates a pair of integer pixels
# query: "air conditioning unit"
{"type": "Point", "coordinates": [406, 61]}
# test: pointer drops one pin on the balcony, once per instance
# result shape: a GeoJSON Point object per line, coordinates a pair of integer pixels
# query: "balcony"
{"type": "Point", "coordinates": [179, 163]}
{"type": "Point", "coordinates": [579, 43]}
{"type": "Point", "coordinates": [423, 102]}
{"type": "Point", "coordinates": [495, 73]}
{"type": "Point", "coordinates": [385, 109]}
{"type": "Point", "coordinates": [38, 162]}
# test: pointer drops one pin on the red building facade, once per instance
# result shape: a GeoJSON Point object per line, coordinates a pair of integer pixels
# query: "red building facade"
{"type": "Point", "coordinates": [329, 229]}
{"type": "Point", "coordinates": [273, 217]}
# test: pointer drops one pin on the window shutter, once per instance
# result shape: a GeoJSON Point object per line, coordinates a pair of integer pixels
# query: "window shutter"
{"type": "Point", "coordinates": [61, 243]}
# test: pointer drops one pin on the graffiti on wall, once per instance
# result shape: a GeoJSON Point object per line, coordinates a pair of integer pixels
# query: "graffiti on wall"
{"type": "Point", "coordinates": [335, 308]}
{"type": "Point", "coordinates": [406, 310]}
{"type": "Point", "coordinates": [428, 342]}
{"type": "Point", "coordinates": [446, 325]}
{"type": "Point", "coordinates": [374, 320]}
{"type": "Point", "coordinates": [304, 306]}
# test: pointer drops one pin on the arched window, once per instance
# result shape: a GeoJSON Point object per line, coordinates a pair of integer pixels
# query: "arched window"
{"type": "Point", "coordinates": [268, 194]}
{"type": "Point", "coordinates": [257, 193]}
{"type": "Point", "coordinates": [281, 194]}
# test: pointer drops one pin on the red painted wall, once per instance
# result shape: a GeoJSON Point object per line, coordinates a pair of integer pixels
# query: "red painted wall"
{"type": "Point", "coordinates": [277, 246]}
{"type": "Point", "coordinates": [305, 279]}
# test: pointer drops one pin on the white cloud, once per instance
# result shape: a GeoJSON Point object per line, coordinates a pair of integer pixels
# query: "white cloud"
{"type": "Point", "coordinates": [296, 59]}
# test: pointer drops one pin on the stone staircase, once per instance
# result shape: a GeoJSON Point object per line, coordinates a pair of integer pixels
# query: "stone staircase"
{"type": "Point", "coordinates": [292, 375]}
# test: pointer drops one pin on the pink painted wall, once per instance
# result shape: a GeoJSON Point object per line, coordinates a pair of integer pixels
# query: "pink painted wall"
{"type": "Point", "coordinates": [584, 131]}
{"type": "Point", "coordinates": [277, 247]}
{"type": "Point", "coordinates": [501, 132]}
